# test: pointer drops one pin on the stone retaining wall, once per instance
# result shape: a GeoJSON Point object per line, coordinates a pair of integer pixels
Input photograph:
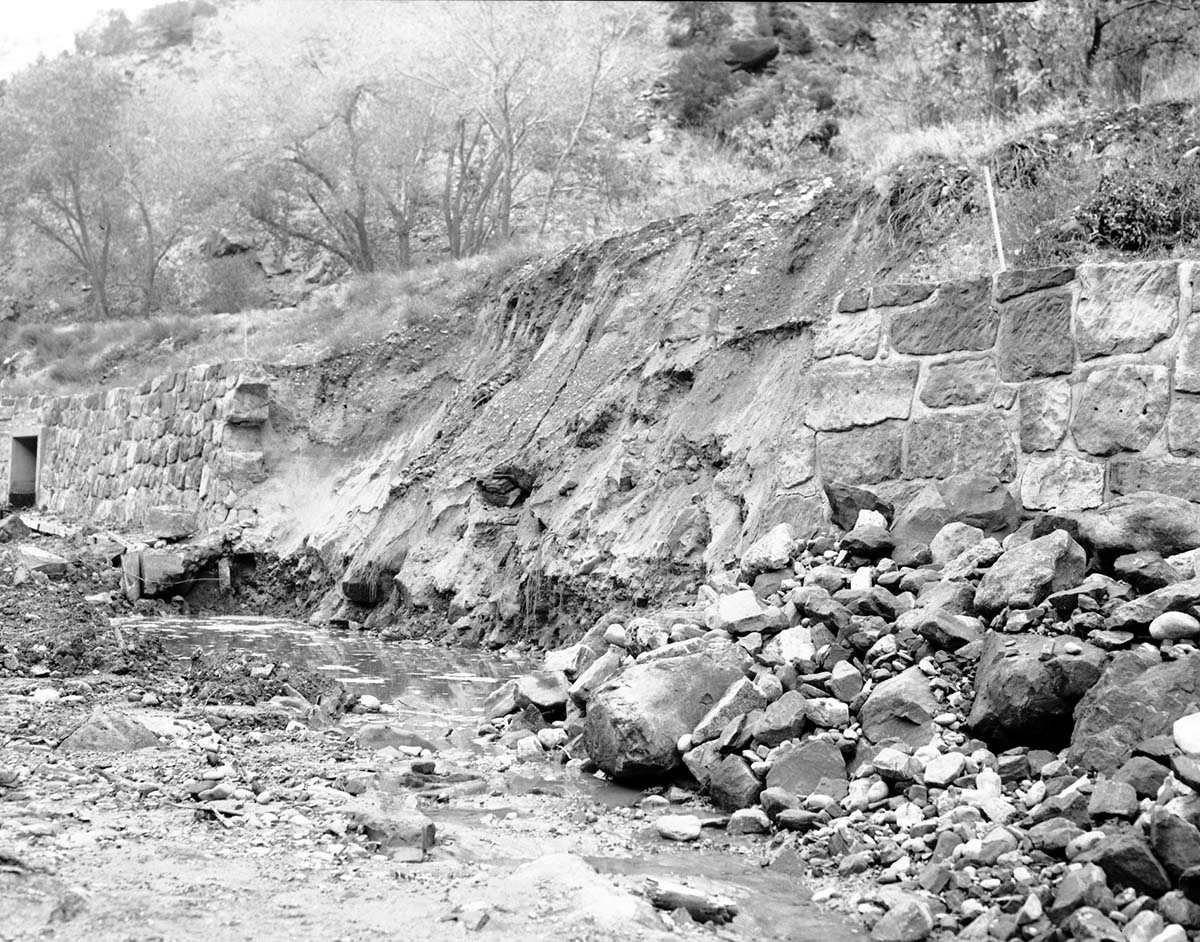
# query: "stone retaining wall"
{"type": "Point", "coordinates": [1073, 385]}
{"type": "Point", "coordinates": [189, 443]}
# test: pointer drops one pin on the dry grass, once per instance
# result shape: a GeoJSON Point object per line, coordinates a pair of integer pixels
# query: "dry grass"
{"type": "Point", "coordinates": [356, 312]}
{"type": "Point", "coordinates": [966, 141]}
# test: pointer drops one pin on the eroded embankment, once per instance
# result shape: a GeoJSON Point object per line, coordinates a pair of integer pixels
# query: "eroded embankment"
{"type": "Point", "coordinates": [613, 425]}
{"type": "Point", "coordinates": [624, 421]}
{"type": "Point", "coordinates": [589, 441]}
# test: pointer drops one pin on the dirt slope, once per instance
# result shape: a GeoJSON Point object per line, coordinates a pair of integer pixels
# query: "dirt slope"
{"type": "Point", "coordinates": [632, 394]}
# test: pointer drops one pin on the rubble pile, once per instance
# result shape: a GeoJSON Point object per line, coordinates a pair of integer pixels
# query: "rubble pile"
{"type": "Point", "coordinates": [992, 736]}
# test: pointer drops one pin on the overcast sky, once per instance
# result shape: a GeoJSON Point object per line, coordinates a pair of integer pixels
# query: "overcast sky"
{"type": "Point", "coordinates": [29, 28]}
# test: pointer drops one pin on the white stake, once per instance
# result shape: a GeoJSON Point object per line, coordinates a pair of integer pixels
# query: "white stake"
{"type": "Point", "coordinates": [987, 181]}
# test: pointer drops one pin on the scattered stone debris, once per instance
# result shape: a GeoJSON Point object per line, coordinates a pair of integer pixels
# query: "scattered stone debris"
{"type": "Point", "coordinates": [1000, 742]}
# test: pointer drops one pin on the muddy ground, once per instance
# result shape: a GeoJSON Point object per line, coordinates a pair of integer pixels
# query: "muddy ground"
{"type": "Point", "coordinates": [312, 834]}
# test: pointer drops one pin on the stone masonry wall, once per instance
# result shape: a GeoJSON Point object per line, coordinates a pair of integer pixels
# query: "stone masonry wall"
{"type": "Point", "coordinates": [188, 443]}
{"type": "Point", "coordinates": [1073, 385]}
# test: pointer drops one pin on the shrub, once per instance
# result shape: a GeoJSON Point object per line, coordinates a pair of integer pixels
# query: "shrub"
{"type": "Point", "coordinates": [698, 85]}
{"type": "Point", "coordinates": [111, 35]}
{"type": "Point", "coordinates": [232, 284]}
{"type": "Point", "coordinates": [772, 120]}
{"type": "Point", "coordinates": [170, 24]}
{"type": "Point", "coordinates": [701, 22]}
{"type": "Point", "coordinates": [1136, 209]}
{"type": "Point", "coordinates": [782, 20]}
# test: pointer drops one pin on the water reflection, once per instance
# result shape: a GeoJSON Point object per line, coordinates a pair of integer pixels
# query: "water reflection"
{"type": "Point", "coordinates": [421, 680]}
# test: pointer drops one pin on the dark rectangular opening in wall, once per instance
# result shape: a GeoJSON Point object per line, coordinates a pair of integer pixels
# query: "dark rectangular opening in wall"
{"type": "Point", "coordinates": [22, 471]}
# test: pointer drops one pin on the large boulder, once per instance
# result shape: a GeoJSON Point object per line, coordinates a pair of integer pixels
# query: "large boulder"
{"type": "Point", "coordinates": [1026, 687]}
{"type": "Point", "coordinates": [1131, 703]}
{"type": "Point", "coordinates": [1126, 859]}
{"type": "Point", "coordinates": [109, 731]}
{"type": "Point", "coordinates": [737, 612]}
{"type": "Point", "coordinates": [1138, 613]}
{"type": "Point", "coordinates": [846, 500]}
{"type": "Point", "coordinates": [920, 518]}
{"type": "Point", "coordinates": [1026, 574]}
{"type": "Point", "coordinates": [546, 690]}
{"type": "Point", "coordinates": [731, 784]}
{"type": "Point", "coordinates": [1143, 521]}
{"type": "Point", "coordinates": [635, 720]}
{"type": "Point", "coordinates": [902, 707]}
{"type": "Point", "coordinates": [980, 500]}
{"type": "Point", "coordinates": [771, 551]}
{"type": "Point", "coordinates": [801, 766]}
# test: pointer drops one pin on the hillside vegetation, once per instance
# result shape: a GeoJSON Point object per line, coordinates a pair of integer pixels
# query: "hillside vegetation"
{"type": "Point", "coordinates": [292, 179]}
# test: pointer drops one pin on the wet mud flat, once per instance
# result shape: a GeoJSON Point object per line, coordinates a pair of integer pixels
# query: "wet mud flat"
{"type": "Point", "coordinates": [131, 810]}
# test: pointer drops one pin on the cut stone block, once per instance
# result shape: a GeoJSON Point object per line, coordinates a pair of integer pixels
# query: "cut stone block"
{"type": "Point", "coordinates": [1126, 308]}
{"type": "Point", "coordinates": [1128, 474]}
{"type": "Point", "coordinates": [848, 333]}
{"type": "Point", "coordinates": [1062, 481]}
{"type": "Point", "coordinates": [944, 444]}
{"type": "Point", "coordinates": [1183, 426]}
{"type": "Point", "coordinates": [1120, 408]}
{"type": "Point", "coordinates": [959, 383]}
{"type": "Point", "coordinates": [961, 317]}
{"type": "Point", "coordinates": [864, 456]}
{"type": "Point", "coordinates": [1035, 336]}
{"type": "Point", "coordinates": [1045, 414]}
{"type": "Point", "coordinates": [845, 396]}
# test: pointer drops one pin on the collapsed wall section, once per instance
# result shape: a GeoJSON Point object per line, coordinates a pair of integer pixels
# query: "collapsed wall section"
{"type": "Point", "coordinates": [187, 444]}
{"type": "Point", "coordinates": [1070, 385]}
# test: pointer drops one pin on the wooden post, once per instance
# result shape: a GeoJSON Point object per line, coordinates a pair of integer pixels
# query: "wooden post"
{"type": "Point", "coordinates": [987, 181]}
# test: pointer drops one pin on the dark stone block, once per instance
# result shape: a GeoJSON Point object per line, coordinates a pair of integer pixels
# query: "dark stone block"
{"type": "Point", "coordinates": [864, 455]}
{"type": "Point", "coordinates": [1013, 284]}
{"type": "Point", "coordinates": [940, 445]}
{"type": "Point", "coordinates": [846, 500]}
{"type": "Point", "coordinates": [961, 317]}
{"type": "Point", "coordinates": [1035, 337]}
{"type": "Point", "coordinates": [899, 295]}
{"type": "Point", "coordinates": [1130, 474]}
{"type": "Point", "coordinates": [854, 300]}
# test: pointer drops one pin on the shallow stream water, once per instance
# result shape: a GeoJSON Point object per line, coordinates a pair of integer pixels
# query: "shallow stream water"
{"type": "Point", "coordinates": [434, 688]}
{"type": "Point", "coordinates": [427, 685]}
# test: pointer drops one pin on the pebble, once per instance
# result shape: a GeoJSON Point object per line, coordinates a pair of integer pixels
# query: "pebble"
{"type": "Point", "coordinates": [1174, 626]}
{"type": "Point", "coordinates": [1186, 733]}
{"type": "Point", "coordinates": [945, 769]}
{"type": "Point", "coordinates": [615, 635]}
{"type": "Point", "coordinates": [552, 737]}
{"type": "Point", "coordinates": [749, 821]}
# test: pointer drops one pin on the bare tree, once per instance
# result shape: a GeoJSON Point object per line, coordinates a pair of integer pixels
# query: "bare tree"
{"type": "Point", "coordinates": [61, 131]}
